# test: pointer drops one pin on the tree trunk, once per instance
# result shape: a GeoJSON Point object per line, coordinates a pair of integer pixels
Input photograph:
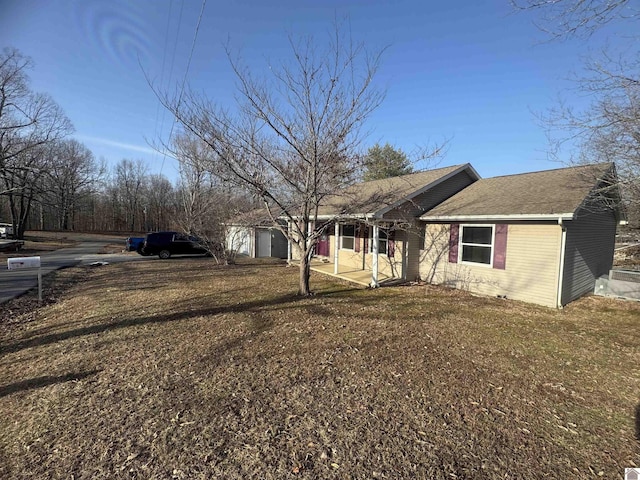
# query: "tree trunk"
{"type": "Point", "coordinates": [305, 273]}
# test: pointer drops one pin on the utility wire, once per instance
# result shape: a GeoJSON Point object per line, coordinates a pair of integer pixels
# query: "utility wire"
{"type": "Point", "coordinates": [173, 59]}
{"type": "Point", "coordinates": [186, 72]}
{"type": "Point", "coordinates": [164, 61]}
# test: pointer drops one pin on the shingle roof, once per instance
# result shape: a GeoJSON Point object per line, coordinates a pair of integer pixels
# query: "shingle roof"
{"type": "Point", "coordinates": [559, 191]}
{"type": "Point", "coordinates": [371, 197]}
{"type": "Point", "coordinates": [258, 217]}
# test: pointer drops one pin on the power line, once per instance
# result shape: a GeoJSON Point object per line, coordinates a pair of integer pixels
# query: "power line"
{"type": "Point", "coordinates": [186, 72]}
{"type": "Point", "coordinates": [164, 61]}
{"type": "Point", "coordinates": [173, 59]}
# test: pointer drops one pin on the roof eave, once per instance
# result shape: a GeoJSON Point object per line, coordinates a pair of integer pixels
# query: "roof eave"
{"type": "Point", "coordinates": [335, 216]}
{"type": "Point", "coordinates": [500, 218]}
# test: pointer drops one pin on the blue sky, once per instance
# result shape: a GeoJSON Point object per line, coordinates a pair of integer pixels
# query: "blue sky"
{"type": "Point", "coordinates": [471, 71]}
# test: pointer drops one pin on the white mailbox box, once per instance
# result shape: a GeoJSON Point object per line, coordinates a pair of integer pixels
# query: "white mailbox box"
{"type": "Point", "coordinates": [27, 263]}
{"type": "Point", "coordinates": [23, 262]}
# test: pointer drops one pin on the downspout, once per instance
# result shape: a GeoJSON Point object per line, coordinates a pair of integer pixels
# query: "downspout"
{"type": "Point", "coordinates": [563, 246]}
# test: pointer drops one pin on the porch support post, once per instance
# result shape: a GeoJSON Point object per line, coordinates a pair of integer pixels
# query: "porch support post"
{"type": "Point", "coordinates": [336, 246]}
{"type": "Point", "coordinates": [289, 230]}
{"type": "Point", "coordinates": [374, 250]}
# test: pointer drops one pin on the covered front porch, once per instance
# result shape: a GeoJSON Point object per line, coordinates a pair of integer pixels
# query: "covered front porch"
{"type": "Point", "coordinates": [366, 253]}
{"type": "Point", "coordinates": [350, 274]}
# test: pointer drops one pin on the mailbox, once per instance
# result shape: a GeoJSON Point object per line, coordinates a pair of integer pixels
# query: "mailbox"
{"type": "Point", "coordinates": [23, 262]}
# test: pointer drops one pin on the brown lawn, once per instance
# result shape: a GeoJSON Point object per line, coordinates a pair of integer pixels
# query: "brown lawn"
{"type": "Point", "coordinates": [181, 369]}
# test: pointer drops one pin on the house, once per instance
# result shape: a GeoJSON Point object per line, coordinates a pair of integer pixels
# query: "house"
{"type": "Point", "coordinates": [371, 230]}
{"type": "Point", "coordinates": [6, 230]}
{"type": "Point", "coordinates": [254, 235]}
{"type": "Point", "coordinates": [541, 237]}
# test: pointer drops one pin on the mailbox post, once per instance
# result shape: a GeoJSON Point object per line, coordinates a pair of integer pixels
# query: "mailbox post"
{"type": "Point", "coordinates": [20, 263]}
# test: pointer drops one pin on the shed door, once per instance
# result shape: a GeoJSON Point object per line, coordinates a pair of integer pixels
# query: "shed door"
{"type": "Point", "coordinates": [264, 243]}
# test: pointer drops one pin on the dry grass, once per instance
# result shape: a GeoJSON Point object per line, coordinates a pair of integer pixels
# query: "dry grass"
{"type": "Point", "coordinates": [181, 369]}
{"type": "Point", "coordinates": [628, 257]}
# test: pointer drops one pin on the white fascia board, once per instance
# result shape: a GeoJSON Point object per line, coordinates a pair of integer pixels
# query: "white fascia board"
{"type": "Point", "coordinates": [514, 217]}
{"type": "Point", "coordinates": [351, 216]}
{"type": "Point", "coordinates": [421, 190]}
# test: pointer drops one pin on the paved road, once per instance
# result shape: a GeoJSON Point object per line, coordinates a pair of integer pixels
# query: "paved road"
{"type": "Point", "coordinates": [14, 283]}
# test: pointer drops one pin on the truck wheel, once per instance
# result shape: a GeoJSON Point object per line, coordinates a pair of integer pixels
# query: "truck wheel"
{"type": "Point", "coordinates": [164, 254]}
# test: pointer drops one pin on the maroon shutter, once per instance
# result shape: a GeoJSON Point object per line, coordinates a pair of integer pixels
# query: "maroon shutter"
{"type": "Point", "coordinates": [365, 233]}
{"type": "Point", "coordinates": [453, 242]}
{"type": "Point", "coordinates": [356, 240]}
{"type": "Point", "coordinates": [500, 247]}
{"type": "Point", "coordinates": [391, 243]}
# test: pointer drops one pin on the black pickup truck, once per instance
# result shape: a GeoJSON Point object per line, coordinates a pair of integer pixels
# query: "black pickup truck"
{"type": "Point", "coordinates": [165, 244]}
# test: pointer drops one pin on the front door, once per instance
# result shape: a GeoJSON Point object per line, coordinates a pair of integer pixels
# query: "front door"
{"type": "Point", "coordinates": [322, 247]}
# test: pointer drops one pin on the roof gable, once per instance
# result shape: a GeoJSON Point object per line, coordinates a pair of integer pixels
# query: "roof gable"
{"type": "Point", "coordinates": [549, 193]}
{"type": "Point", "coordinates": [375, 197]}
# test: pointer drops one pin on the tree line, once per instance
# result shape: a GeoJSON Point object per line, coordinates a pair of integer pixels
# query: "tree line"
{"type": "Point", "coordinates": [49, 181]}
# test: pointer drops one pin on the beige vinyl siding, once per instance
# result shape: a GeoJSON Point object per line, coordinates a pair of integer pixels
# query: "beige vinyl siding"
{"type": "Point", "coordinates": [588, 253]}
{"type": "Point", "coordinates": [531, 270]}
{"type": "Point", "coordinates": [432, 197]}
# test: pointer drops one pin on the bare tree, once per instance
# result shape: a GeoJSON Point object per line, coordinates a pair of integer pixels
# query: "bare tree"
{"type": "Point", "coordinates": [206, 203]}
{"type": "Point", "coordinates": [197, 188]}
{"type": "Point", "coordinates": [22, 179]}
{"type": "Point", "coordinates": [72, 175]}
{"type": "Point", "coordinates": [565, 18]}
{"type": "Point", "coordinates": [293, 137]}
{"type": "Point", "coordinates": [28, 121]}
{"type": "Point", "coordinates": [608, 129]}
{"type": "Point", "coordinates": [129, 178]}
{"type": "Point", "coordinates": [159, 203]}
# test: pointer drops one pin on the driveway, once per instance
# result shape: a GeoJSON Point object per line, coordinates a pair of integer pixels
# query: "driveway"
{"type": "Point", "coordinates": [14, 283]}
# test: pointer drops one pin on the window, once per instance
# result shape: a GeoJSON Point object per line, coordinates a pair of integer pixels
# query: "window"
{"type": "Point", "coordinates": [476, 243]}
{"type": "Point", "coordinates": [383, 240]}
{"type": "Point", "coordinates": [347, 236]}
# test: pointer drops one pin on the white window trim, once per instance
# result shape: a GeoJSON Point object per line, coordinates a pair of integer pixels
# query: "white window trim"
{"type": "Point", "coordinates": [493, 244]}
{"type": "Point", "coordinates": [370, 246]}
{"type": "Point", "coordinates": [347, 236]}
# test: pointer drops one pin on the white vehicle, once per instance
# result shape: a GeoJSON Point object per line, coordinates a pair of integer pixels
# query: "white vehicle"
{"type": "Point", "coordinates": [6, 230]}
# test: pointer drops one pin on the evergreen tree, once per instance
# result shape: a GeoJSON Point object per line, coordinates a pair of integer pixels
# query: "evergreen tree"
{"type": "Point", "coordinates": [385, 162]}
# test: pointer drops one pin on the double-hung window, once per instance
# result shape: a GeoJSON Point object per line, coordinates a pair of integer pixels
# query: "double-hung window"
{"type": "Point", "coordinates": [477, 243]}
{"type": "Point", "coordinates": [347, 237]}
{"type": "Point", "coordinates": [383, 241]}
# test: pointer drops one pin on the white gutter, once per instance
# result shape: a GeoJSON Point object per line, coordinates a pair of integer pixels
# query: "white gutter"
{"type": "Point", "coordinates": [517, 216]}
{"type": "Point", "coordinates": [354, 216]}
{"type": "Point", "coordinates": [563, 247]}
